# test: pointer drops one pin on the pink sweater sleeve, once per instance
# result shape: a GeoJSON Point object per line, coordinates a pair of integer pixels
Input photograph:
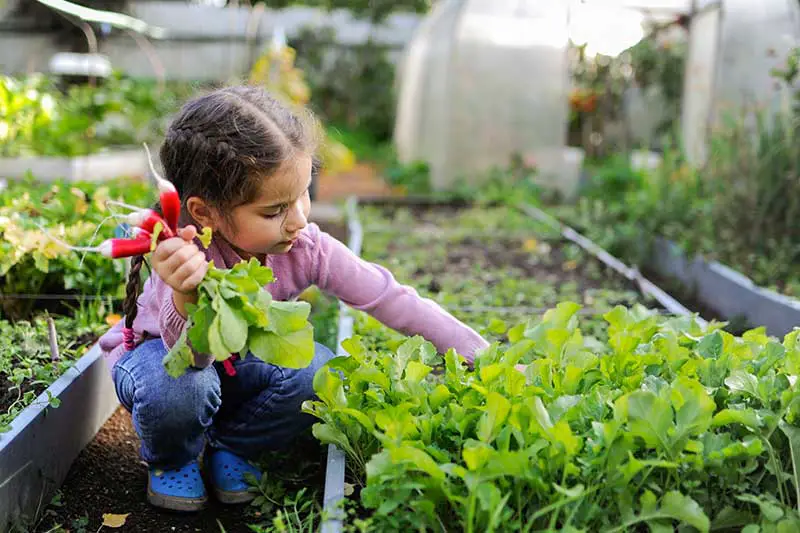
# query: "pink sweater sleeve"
{"type": "Point", "coordinates": [373, 289]}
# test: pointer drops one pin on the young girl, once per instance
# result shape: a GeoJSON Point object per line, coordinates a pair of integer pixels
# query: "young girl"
{"type": "Point", "coordinates": [242, 164]}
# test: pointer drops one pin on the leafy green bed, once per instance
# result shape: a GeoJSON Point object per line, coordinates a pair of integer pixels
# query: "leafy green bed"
{"type": "Point", "coordinates": [31, 263]}
{"type": "Point", "coordinates": [27, 367]}
{"type": "Point", "coordinates": [38, 118]}
{"type": "Point", "coordinates": [624, 420]}
{"type": "Point", "coordinates": [665, 424]}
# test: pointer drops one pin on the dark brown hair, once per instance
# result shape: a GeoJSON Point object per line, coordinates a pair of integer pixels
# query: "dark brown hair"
{"type": "Point", "coordinates": [220, 147]}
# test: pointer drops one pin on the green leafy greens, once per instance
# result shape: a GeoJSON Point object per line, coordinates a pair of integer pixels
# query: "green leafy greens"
{"type": "Point", "coordinates": [236, 315]}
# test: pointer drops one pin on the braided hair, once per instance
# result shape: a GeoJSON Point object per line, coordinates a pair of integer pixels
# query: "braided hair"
{"type": "Point", "coordinates": [220, 147]}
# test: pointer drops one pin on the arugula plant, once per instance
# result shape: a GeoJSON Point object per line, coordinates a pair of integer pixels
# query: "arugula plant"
{"type": "Point", "coordinates": [236, 315]}
{"type": "Point", "coordinates": [664, 424]}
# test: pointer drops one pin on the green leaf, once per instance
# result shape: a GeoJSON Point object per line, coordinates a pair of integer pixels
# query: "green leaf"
{"type": "Point", "coordinates": [439, 396]}
{"type": "Point", "coordinates": [769, 510]}
{"type": "Point", "coordinates": [328, 434]}
{"type": "Point", "coordinates": [494, 416]}
{"type": "Point", "coordinates": [741, 381]}
{"type": "Point", "coordinates": [295, 350]}
{"type": "Point", "coordinates": [746, 417]}
{"type": "Point", "coordinates": [215, 343]}
{"type": "Point", "coordinates": [261, 274]}
{"type": "Point", "coordinates": [710, 347]}
{"type": "Point", "coordinates": [416, 372]}
{"type": "Point", "coordinates": [417, 460]}
{"type": "Point", "coordinates": [476, 454]}
{"type": "Point", "coordinates": [405, 353]}
{"type": "Point", "coordinates": [233, 327]}
{"type": "Point", "coordinates": [516, 333]}
{"type": "Point", "coordinates": [489, 373]}
{"type": "Point", "coordinates": [329, 387]}
{"type": "Point", "coordinates": [179, 358]}
{"type": "Point", "coordinates": [563, 435]}
{"type": "Point", "coordinates": [685, 509]}
{"type": "Point", "coordinates": [201, 318]}
{"type": "Point", "coordinates": [793, 435]}
{"type": "Point", "coordinates": [157, 229]}
{"type": "Point", "coordinates": [355, 347]}
{"type": "Point", "coordinates": [288, 317]}
{"type": "Point", "coordinates": [205, 237]}
{"type": "Point", "coordinates": [694, 408]}
{"type": "Point", "coordinates": [648, 417]}
{"type": "Point", "coordinates": [370, 374]}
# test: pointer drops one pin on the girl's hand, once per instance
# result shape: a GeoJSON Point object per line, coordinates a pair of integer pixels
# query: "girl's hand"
{"type": "Point", "coordinates": [179, 262]}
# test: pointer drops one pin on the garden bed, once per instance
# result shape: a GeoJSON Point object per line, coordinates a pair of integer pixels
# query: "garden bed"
{"type": "Point", "coordinates": [651, 423]}
{"type": "Point", "coordinates": [69, 413]}
{"type": "Point", "coordinates": [491, 267]}
{"type": "Point", "coordinates": [727, 292]}
{"type": "Point", "coordinates": [105, 166]}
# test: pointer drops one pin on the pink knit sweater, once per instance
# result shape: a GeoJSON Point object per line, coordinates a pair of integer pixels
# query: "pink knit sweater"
{"type": "Point", "coordinates": [315, 259]}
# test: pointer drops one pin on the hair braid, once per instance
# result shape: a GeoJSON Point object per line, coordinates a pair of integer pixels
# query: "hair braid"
{"type": "Point", "coordinates": [129, 306]}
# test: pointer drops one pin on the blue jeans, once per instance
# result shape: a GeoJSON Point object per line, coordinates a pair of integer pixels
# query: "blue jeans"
{"type": "Point", "coordinates": [256, 410]}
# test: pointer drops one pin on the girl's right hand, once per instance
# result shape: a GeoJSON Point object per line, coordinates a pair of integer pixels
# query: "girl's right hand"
{"type": "Point", "coordinates": [179, 262]}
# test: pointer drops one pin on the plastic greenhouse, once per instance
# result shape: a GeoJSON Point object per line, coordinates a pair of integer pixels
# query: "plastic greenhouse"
{"type": "Point", "coordinates": [485, 79]}
{"type": "Point", "coordinates": [482, 80]}
{"type": "Point", "coordinates": [733, 45]}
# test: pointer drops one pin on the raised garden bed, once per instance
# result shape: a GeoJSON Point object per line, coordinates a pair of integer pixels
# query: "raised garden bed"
{"type": "Point", "coordinates": [728, 292]}
{"type": "Point", "coordinates": [492, 268]}
{"type": "Point", "coordinates": [105, 166]}
{"type": "Point", "coordinates": [43, 439]}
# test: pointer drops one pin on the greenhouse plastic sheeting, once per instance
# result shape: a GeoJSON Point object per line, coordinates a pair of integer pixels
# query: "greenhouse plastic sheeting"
{"type": "Point", "coordinates": [483, 80]}
{"type": "Point", "coordinates": [733, 46]}
{"type": "Point", "coordinates": [698, 83]}
{"type": "Point", "coordinates": [756, 37]}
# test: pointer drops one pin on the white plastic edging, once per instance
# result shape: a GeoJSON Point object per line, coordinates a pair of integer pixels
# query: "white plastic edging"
{"type": "Point", "coordinates": [632, 274]}
{"type": "Point", "coordinates": [94, 167]}
{"type": "Point", "coordinates": [38, 451]}
{"type": "Point", "coordinates": [335, 468]}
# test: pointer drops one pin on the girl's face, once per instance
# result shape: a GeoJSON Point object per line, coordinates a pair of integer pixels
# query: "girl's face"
{"type": "Point", "coordinates": [271, 223]}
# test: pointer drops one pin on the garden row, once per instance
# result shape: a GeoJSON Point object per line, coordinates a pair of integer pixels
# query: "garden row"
{"type": "Point", "coordinates": [724, 227]}
{"type": "Point", "coordinates": [625, 417]}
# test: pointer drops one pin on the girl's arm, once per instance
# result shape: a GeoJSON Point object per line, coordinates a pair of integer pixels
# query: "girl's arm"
{"type": "Point", "coordinates": [372, 288]}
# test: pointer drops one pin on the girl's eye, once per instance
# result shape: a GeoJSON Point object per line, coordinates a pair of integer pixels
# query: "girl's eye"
{"type": "Point", "coordinates": [273, 215]}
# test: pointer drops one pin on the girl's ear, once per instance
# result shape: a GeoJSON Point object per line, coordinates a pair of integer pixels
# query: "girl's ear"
{"type": "Point", "coordinates": [201, 212]}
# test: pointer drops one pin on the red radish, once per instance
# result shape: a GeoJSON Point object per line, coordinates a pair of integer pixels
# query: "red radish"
{"type": "Point", "coordinates": [168, 195]}
{"type": "Point", "coordinates": [147, 219]}
{"type": "Point", "coordinates": [138, 232]}
{"type": "Point", "coordinates": [170, 205]}
{"type": "Point", "coordinates": [118, 248]}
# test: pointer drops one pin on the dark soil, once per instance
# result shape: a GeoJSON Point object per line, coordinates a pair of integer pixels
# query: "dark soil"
{"type": "Point", "coordinates": [462, 256]}
{"type": "Point", "coordinates": [110, 477]}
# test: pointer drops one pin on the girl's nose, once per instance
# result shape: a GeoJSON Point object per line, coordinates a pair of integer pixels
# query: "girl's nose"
{"type": "Point", "coordinates": [295, 219]}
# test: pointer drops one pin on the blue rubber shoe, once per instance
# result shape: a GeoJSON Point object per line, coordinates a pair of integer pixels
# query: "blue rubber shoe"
{"type": "Point", "coordinates": [181, 489]}
{"type": "Point", "coordinates": [227, 471]}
